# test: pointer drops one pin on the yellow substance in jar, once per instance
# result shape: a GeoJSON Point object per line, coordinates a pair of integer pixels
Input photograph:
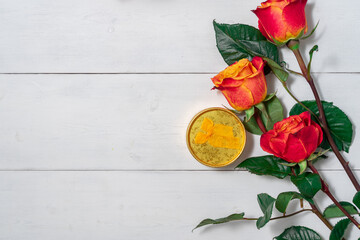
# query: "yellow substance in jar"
{"type": "Point", "coordinates": [216, 137]}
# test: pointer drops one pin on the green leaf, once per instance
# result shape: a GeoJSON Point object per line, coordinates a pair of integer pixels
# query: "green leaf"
{"type": "Point", "coordinates": [249, 113]}
{"type": "Point", "coordinates": [312, 32]}
{"type": "Point", "coordinates": [288, 164]}
{"type": "Point", "coordinates": [298, 233]}
{"type": "Point", "coordinates": [339, 124]}
{"type": "Point", "coordinates": [237, 41]}
{"type": "Point", "coordinates": [262, 48]}
{"type": "Point", "coordinates": [356, 199]}
{"type": "Point", "coordinates": [303, 166]}
{"type": "Point", "coordinates": [232, 217]}
{"type": "Point", "coordinates": [308, 184]}
{"type": "Point", "coordinates": [266, 165]}
{"type": "Point", "coordinates": [266, 204]}
{"type": "Point", "coordinates": [275, 113]}
{"type": "Point", "coordinates": [333, 211]}
{"type": "Point", "coordinates": [339, 229]}
{"type": "Point", "coordinates": [284, 199]}
{"type": "Point", "coordinates": [251, 126]}
{"type": "Point", "coordinates": [261, 106]}
{"type": "Point", "coordinates": [315, 48]}
{"type": "Point", "coordinates": [270, 96]}
{"type": "Point", "coordinates": [318, 155]}
{"type": "Point", "coordinates": [279, 72]}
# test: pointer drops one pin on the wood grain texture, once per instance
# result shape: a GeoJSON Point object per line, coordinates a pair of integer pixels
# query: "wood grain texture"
{"type": "Point", "coordinates": [103, 156]}
{"type": "Point", "coordinates": [151, 36]}
{"type": "Point", "coordinates": [128, 122]}
{"type": "Point", "coordinates": [142, 205]}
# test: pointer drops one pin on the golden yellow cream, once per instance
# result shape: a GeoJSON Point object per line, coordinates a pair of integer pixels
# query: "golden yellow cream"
{"type": "Point", "coordinates": [216, 137]}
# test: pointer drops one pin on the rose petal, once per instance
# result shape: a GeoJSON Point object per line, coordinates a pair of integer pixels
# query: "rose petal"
{"type": "Point", "coordinates": [278, 143]}
{"type": "Point", "coordinates": [294, 16]}
{"type": "Point", "coordinates": [291, 124]}
{"type": "Point", "coordinates": [306, 118]}
{"type": "Point", "coordinates": [320, 131]}
{"type": "Point", "coordinates": [272, 21]}
{"type": "Point", "coordinates": [218, 79]}
{"type": "Point", "coordinates": [258, 63]}
{"type": "Point", "coordinates": [239, 98]}
{"type": "Point", "coordinates": [263, 32]}
{"type": "Point", "coordinates": [309, 136]}
{"type": "Point", "coordinates": [231, 83]}
{"type": "Point", "coordinates": [295, 150]}
{"type": "Point", "coordinates": [257, 86]}
{"type": "Point", "coordinates": [265, 141]}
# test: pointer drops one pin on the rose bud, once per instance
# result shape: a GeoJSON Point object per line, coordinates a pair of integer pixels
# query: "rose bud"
{"type": "Point", "coordinates": [243, 83]}
{"type": "Point", "coordinates": [282, 20]}
{"type": "Point", "coordinates": [293, 139]}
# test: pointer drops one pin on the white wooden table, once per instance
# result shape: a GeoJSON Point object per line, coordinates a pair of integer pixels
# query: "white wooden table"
{"type": "Point", "coordinates": [95, 98]}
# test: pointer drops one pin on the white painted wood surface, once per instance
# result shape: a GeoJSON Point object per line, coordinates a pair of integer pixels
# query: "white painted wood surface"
{"type": "Point", "coordinates": [135, 122]}
{"type": "Point", "coordinates": [150, 35]}
{"type": "Point", "coordinates": [142, 205]}
{"type": "Point", "coordinates": [103, 156]}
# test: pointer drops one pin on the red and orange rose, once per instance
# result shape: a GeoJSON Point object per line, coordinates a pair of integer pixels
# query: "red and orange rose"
{"type": "Point", "coordinates": [293, 139]}
{"type": "Point", "coordinates": [282, 20]}
{"type": "Point", "coordinates": [243, 83]}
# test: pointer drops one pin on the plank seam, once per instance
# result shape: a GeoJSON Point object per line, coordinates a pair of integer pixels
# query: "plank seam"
{"type": "Point", "coordinates": [143, 170]}
{"type": "Point", "coordinates": [143, 73]}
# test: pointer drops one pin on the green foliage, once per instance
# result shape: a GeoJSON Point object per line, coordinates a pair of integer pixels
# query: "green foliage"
{"type": "Point", "coordinates": [266, 165]}
{"type": "Point", "coordinates": [298, 233]}
{"type": "Point", "coordinates": [312, 32]}
{"type": "Point", "coordinates": [232, 217]}
{"type": "Point", "coordinates": [269, 97]}
{"type": "Point", "coordinates": [302, 166]}
{"type": "Point", "coordinates": [271, 111]}
{"type": "Point", "coordinates": [318, 155]}
{"type": "Point", "coordinates": [284, 199]}
{"type": "Point", "coordinates": [279, 72]}
{"type": "Point", "coordinates": [308, 184]}
{"type": "Point", "coordinates": [266, 204]}
{"type": "Point", "coordinates": [315, 48]}
{"type": "Point", "coordinates": [339, 229]}
{"type": "Point", "coordinates": [250, 112]}
{"type": "Point", "coordinates": [339, 124]}
{"type": "Point", "coordinates": [237, 41]}
{"type": "Point", "coordinates": [356, 199]}
{"type": "Point", "coordinates": [333, 211]}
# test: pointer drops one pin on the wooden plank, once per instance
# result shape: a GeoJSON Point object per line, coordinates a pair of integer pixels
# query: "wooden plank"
{"type": "Point", "coordinates": [151, 36]}
{"type": "Point", "coordinates": [128, 121]}
{"type": "Point", "coordinates": [143, 205]}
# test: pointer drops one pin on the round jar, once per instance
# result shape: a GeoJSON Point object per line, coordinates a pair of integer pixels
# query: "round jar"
{"type": "Point", "coordinates": [216, 137]}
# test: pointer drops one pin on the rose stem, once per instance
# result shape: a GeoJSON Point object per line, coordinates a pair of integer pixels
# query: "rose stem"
{"type": "Point", "coordinates": [320, 216]}
{"type": "Point", "coordinates": [313, 209]}
{"type": "Point", "coordinates": [259, 121]}
{"type": "Point", "coordinates": [292, 45]}
{"type": "Point", "coordinates": [298, 101]}
{"type": "Point", "coordinates": [325, 189]}
{"type": "Point", "coordinates": [285, 216]}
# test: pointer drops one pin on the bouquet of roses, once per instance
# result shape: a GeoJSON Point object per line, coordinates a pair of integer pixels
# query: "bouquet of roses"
{"type": "Point", "coordinates": [313, 128]}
